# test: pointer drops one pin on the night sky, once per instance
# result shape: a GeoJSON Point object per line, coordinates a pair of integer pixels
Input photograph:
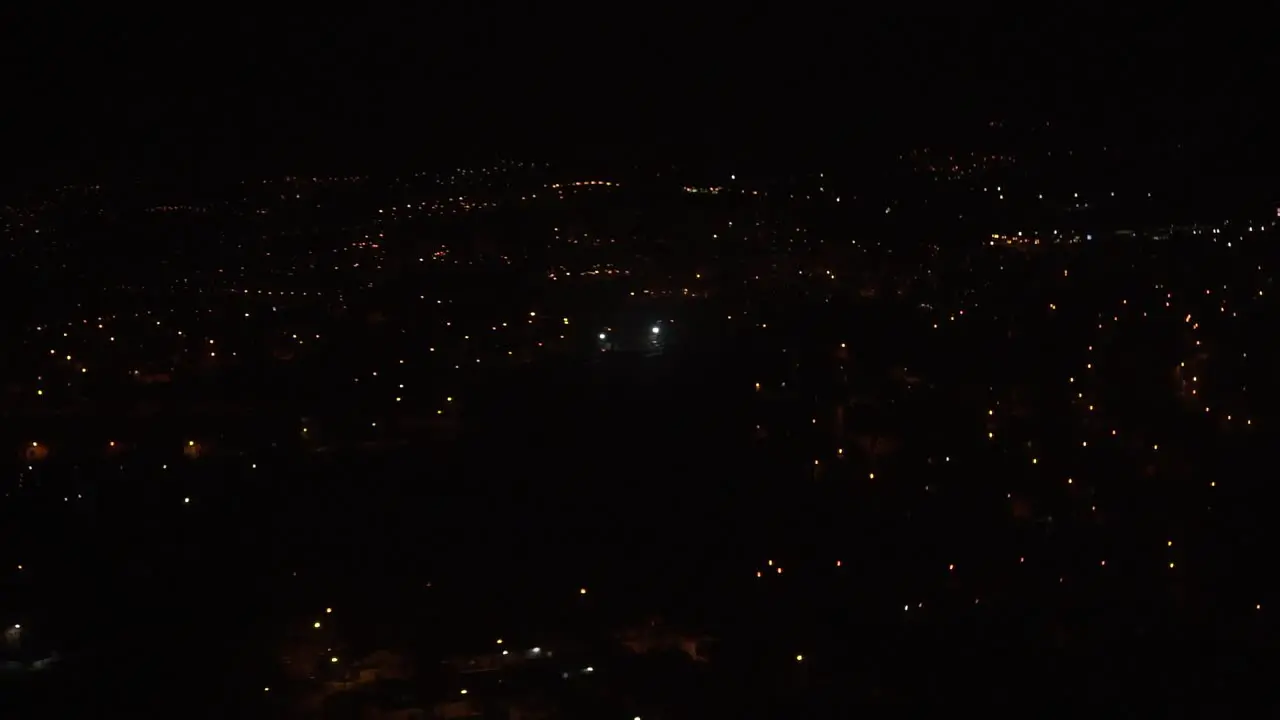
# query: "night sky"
{"type": "Point", "coordinates": [110, 94]}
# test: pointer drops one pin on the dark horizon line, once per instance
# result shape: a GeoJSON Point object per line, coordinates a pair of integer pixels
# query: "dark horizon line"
{"type": "Point", "coordinates": [182, 161]}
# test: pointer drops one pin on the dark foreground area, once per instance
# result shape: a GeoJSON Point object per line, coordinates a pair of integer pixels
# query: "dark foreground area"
{"type": "Point", "coordinates": [583, 497]}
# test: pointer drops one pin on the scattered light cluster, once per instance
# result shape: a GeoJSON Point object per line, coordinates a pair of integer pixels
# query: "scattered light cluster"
{"type": "Point", "coordinates": [915, 431]}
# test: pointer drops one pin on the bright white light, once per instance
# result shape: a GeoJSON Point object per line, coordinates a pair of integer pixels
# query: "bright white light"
{"type": "Point", "coordinates": [655, 329]}
{"type": "Point", "coordinates": [601, 336]}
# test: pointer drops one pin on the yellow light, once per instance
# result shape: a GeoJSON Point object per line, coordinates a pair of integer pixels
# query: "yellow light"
{"type": "Point", "coordinates": [582, 591]}
{"type": "Point", "coordinates": [317, 625]}
{"type": "Point", "coordinates": [799, 658]}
